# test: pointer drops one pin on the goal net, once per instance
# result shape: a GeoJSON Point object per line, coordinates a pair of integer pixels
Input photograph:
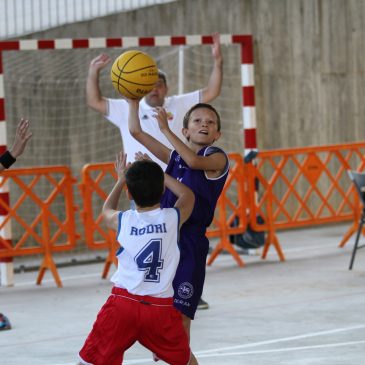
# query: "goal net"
{"type": "Point", "coordinates": [48, 87]}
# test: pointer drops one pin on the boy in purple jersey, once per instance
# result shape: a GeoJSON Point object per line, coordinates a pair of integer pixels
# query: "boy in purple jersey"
{"type": "Point", "coordinates": [204, 169]}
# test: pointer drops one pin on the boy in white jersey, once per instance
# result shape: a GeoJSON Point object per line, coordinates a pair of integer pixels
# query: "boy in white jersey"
{"type": "Point", "coordinates": [140, 307]}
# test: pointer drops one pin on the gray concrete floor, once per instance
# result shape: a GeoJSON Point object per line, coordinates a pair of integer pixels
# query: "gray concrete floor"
{"type": "Point", "coordinates": [307, 310]}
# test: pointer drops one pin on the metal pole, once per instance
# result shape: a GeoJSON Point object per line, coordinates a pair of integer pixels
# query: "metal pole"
{"type": "Point", "coordinates": [181, 70]}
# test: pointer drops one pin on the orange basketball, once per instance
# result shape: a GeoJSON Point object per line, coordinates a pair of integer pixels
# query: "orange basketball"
{"type": "Point", "coordinates": [134, 74]}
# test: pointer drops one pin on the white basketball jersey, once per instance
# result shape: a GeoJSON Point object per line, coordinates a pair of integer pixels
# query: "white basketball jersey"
{"type": "Point", "coordinates": [149, 253]}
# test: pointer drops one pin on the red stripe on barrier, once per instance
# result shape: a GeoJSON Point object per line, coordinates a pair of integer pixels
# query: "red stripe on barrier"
{"type": "Point", "coordinates": [207, 39]}
{"type": "Point", "coordinates": [46, 44]}
{"type": "Point", "coordinates": [80, 43]}
{"type": "Point", "coordinates": [114, 42]}
{"type": "Point", "coordinates": [4, 198]}
{"type": "Point", "coordinates": [9, 46]}
{"type": "Point", "coordinates": [176, 41]}
{"type": "Point", "coordinates": [146, 41]}
{"type": "Point", "coordinates": [250, 138]}
{"type": "Point", "coordinates": [248, 93]}
{"type": "Point", "coordinates": [2, 110]}
{"type": "Point", "coordinates": [1, 62]}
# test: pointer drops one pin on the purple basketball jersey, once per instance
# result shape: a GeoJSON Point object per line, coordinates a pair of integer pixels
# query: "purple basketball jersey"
{"type": "Point", "coordinates": [194, 245]}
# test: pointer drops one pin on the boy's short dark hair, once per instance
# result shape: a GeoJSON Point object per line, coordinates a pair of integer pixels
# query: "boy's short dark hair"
{"type": "Point", "coordinates": [145, 182]}
{"type": "Point", "coordinates": [162, 76]}
{"type": "Point", "coordinates": [199, 106]}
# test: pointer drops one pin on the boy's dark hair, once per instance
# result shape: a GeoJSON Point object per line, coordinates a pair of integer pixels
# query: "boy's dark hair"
{"type": "Point", "coordinates": [199, 106]}
{"type": "Point", "coordinates": [145, 182]}
{"type": "Point", "coordinates": [162, 76]}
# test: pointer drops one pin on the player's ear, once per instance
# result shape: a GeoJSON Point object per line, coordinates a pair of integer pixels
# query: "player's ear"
{"type": "Point", "coordinates": [185, 133]}
{"type": "Point", "coordinates": [217, 136]}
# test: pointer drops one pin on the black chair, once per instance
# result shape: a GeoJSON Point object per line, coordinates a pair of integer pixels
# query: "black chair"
{"type": "Point", "coordinates": [358, 179]}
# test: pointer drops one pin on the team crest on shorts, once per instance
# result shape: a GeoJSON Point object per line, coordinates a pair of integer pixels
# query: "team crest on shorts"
{"type": "Point", "coordinates": [185, 290]}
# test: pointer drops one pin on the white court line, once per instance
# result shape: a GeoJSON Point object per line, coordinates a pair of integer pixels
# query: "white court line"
{"type": "Point", "coordinates": [213, 352]}
{"type": "Point", "coordinates": [339, 344]}
{"type": "Point", "coordinates": [285, 339]}
{"type": "Point", "coordinates": [213, 355]}
{"type": "Point", "coordinates": [289, 349]}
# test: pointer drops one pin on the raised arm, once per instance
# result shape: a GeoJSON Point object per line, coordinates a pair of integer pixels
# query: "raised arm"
{"type": "Point", "coordinates": [109, 211]}
{"type": "Point", "coordinates": [185, 197]}
{"type": "Point", "coordinates": [93, 95]}
{"type": "Point", "coordinates": [213, 89]}
{"type": "Point", "coordinates": [214, 162]}
{"type": "Point", "coordinates": [22, 136]}
{"type": "Point", "coordinates": [152, 144]}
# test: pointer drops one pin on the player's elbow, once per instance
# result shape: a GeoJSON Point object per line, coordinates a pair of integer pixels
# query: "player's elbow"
{"type": "Point", "coordinates": [209, 94]}
{"type": "Point", "coordinates": [99, 105]}
{"type": "Point", "coordinates": [136, 133]}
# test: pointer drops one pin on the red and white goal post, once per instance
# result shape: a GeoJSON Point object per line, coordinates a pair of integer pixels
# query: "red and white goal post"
{"type": "Point", "coordinates": [238, 87]}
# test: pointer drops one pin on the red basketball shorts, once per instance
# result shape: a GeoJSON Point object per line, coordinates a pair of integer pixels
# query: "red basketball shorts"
{"type": "Point", "coordinates": [126, 318]}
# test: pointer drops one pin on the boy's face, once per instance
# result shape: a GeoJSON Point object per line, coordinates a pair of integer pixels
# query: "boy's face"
{"type": "Point", "coordinates": [156, 96]}
{"type": "Point", "coordinates": [202, 127]}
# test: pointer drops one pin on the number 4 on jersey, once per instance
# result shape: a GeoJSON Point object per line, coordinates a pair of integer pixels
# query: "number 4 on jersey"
{"type": "Point", "coordinates": [149, 260]}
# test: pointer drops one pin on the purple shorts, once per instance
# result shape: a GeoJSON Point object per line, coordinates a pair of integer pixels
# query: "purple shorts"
{"type": "Point", "coordinates": [190, 275]}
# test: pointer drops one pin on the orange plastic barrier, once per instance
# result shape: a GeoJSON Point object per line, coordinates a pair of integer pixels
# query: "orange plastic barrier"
{"type": "Point", "coordinates": [303, 186]}
{"type": "Point", "coordinates": [97, 181]}
{"type": "Point", "coordinates": [232, 204]}
{"type": "Point", "coordinates": [51, 225]}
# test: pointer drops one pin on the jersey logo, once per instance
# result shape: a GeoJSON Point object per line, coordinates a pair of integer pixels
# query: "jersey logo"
{"type": "Point", "coordinates": [185, 290]}
{"type": "Point", "coordinates": [149, 260]}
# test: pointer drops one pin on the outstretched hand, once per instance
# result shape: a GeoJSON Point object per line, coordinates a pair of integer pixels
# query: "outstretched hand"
{"type": "Point", "coordinates": [22, 136]}
{"type": "Point", "coordinates": [216, 48]}
{"type": "Point", "coordinates": [99, 62]}
{"type": "Point", "coordinates": [161, 117]}
{"type": "Point", "coordinates": [140, 156]}
{"type": "Point", "coordinates": [121, 165]}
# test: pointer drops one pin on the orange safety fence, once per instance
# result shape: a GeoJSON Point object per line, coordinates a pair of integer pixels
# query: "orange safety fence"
{"type": "Point", "coordinates": [97, 181]}
{"type": "Point", "coordinates": [47, 194]}
{"type": "Point", "coordinates": [231, 209]}
{"type": "Point", "coordinates": [303, 186]}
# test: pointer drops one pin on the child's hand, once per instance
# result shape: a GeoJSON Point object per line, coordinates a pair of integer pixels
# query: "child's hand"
{"type": "Point", "coordinates": [99, 62]}
{"type": "Point", "coordinates": [121, 165]}
{"type": "Point", "coordinates": [139, 156]}
{"type": "Point", "coordinates": [22, 136]}
{"type": "Point", "coordinates": [161, 117]}
{"type": "Point", "coordinates": [216, 48]}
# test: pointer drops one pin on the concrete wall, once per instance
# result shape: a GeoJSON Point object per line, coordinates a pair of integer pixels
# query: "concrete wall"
{"type": "Point", "coordinates": [309, 59]}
